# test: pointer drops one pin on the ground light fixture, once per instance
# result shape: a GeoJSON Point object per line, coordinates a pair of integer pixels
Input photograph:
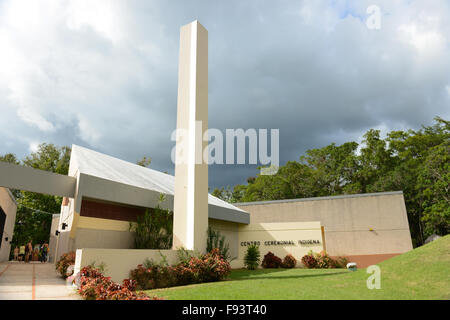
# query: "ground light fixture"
{"type": "Point", "coordinates": [57, 233]}
{"type": "Point", "coordinates": [64, 225]}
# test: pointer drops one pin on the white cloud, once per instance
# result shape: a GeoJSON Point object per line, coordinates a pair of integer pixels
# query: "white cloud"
{"type": "Point", "coordinates": [103, 16]}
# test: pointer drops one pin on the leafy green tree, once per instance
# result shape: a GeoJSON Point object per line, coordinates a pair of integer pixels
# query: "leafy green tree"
{"type": "Point", "coordinates": [223, 193]}
{"type": "Point", "coordinates": [434, 183]}
{"type": "Point", "coordinates": [416, 162]}
{"type": "Point", "coordinates": [144, 162]}
{"type": "Point", "coordinates": [10, 158]}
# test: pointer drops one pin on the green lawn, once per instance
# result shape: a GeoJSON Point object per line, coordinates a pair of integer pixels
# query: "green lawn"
{"type": "Point", "coordinates": [423, 273]}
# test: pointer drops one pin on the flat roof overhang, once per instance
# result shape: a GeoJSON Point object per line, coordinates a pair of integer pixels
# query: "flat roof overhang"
{"type": "Point", "coordinates": [18, 177]}
{"type": "Point", "coordinates": [116, 192]}
{"type": "Point", "coordinates": [34, 180]}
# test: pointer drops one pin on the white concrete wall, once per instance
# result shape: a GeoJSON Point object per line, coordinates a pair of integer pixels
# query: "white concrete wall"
{"type": "Point", "coordinates": [267, 234]}
{"type": "Point", "coordinates": [230, 231]}
{"type": "Point", "coordinates": [53, 238]}
{"type": "Point", "coordinates": [10, 208]}
{"type": "Point", "coordinates": [365, 224]}
{"type": "Point", "coordinates": [119, 262]}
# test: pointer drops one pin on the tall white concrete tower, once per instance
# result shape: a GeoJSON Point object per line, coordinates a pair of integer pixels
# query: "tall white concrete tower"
{"type": "Point", "coordinates": [191, 175]}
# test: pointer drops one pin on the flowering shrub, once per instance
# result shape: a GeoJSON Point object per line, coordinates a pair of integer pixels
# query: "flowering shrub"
{"type": "Point", "coordinates": [309, 261]}
{"type": "Point", "coordinates": [153, 277]}
{"type": "Point", "coordinates": [271, 261]}
{"type": "Point", "coordinates": [323, 261]}
{"type": "Point", "coordinates": [95, 286]}
{"type": "Point", "coordinates": [289, 261]}
{"type": "Point", "coordinates": [66, 260]}
{"type": "Point", "coordinates": [206, 268]}
{"type": "Point", "coordinates": [340, 262]}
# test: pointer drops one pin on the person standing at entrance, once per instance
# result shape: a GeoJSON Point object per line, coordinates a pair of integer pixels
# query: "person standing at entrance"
{"type": "Point", "coordinates": [22, 253]}
{"type": "Point", "coordinates": [28, 251]}
{"type": "Point", "coordinates": [44, 251]}
{"type": "Point", "coordinates": [16, 253]}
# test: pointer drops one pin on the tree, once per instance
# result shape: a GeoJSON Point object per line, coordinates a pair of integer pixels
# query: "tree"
{"type": "Point", "coordinates": [144, 162]}
{"type": "Point", "coordinates": [416, 162]}
{"type": "Point", "coordinates": [10, 158]}
{"type": "Point", "coordinates": [434, 183]}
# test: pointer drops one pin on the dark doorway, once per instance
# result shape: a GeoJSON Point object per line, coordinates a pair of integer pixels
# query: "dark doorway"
{"type": "Point", "coordinates": [2, 224]}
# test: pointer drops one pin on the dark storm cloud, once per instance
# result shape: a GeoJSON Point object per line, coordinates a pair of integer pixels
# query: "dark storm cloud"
{"type": "Point", "coordinates": [105, 75]}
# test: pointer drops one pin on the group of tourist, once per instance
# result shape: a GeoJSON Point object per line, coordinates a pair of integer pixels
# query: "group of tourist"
{"type": "Point", "coordinates": [26, 253]}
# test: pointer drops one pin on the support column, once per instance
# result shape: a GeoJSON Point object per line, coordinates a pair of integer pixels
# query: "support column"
{"type": "Point", "coordinates": [191, 172]}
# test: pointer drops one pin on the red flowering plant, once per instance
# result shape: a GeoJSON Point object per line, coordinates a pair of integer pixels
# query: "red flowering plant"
{"type": "Point", "coordinates": [66, 260]}
{"type": "Point", "coordinates": [205, 268]}
{"type": "Point", "coordinates": [289, 261]}
{"type": "Point", "coordinates": [271, 261]}
{"type": "Point", "coordinates": [309, 261]}
{"type": "Point", "coordinates": [95, 286]}
{"type": "Point", "coordinates": [151, 276]}
{"type": "Point", "coordinates": [209, 267]}
{"type": "Point", "coordinates": [185, 275]}
{"type": "Point", "coordinates": [323, 261]}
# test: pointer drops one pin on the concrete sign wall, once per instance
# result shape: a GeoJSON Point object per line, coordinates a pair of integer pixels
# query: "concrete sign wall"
{"type": "Point", "coordinates": [296, 238]}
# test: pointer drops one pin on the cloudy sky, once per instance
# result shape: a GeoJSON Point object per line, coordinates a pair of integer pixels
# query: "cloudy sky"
{"type": "Point", "coordinates": [103, 74]}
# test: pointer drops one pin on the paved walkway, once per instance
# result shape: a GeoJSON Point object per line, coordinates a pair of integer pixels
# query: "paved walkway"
{"type": "Point", "coordinates": [33, 281]}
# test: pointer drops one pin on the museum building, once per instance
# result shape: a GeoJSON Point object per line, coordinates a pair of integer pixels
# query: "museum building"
{"type": "Point", "coordinates": [102, 195]}
{"type": "Point", "coordinates": [110, 193]}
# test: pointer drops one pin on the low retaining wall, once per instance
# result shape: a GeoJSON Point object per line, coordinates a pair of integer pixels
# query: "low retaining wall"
{"type": "Point", "coordinates": [296, 238]}
{"type": "Point", "coordinates": [119, 262]}
{"type": "Point", "coordinates": [363, 261]}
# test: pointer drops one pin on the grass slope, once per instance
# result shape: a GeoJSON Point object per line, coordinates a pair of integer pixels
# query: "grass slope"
{"type": "Point", "coordinates": [423, 273]}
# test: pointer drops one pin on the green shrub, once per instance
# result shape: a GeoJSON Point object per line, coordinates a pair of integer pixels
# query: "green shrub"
{"type": "Point", "coordinates": [216, 240]}
{"type": "Point", "coordinates": [271, 261]}
{"type": "Point", "coordinates": [252, 257]}
{"type": "Point", "coordinates": [153, 230]}
{"type": "Point", "coordinates": [184, 255]}
{"type": "Point", "coordinates": [289, 261]}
